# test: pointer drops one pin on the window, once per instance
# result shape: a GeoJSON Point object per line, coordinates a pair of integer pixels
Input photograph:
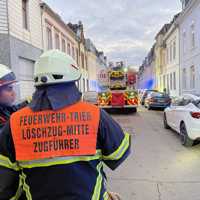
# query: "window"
{"type": "Point", "coordinates": [83, 85]}
{"type": "Point", "coordinates": [167, 82]}
{"type": "Point", "coordinates": [184, 79]}
{"type": "Point", "coordinates": [179, 101]}
{"type": "Point", "coordinates": [160, 82]}
{"type": "Point", "coordinates": [174, 50]}
{"type": "Point", "coordinates": [192, 77]}
{"type": "Point", "coordinates": [171, 81]}
{"type": "Point", "coordinates": [164, 81]}
{"type": "Point", "coordinates": [86, 62]}
{"type": "Point", "coordinates": [184, 42]}
{"type": "Point", "coordinates": [175, 101]}
{"type": "Point", "coordinates": [25, 13]}
{"type": "Point", "coordinates": [167, 55]}
{"type": "Point", "coordinates": [87, 85]}
{"type": "Point", "coordinates": [171, 52]}
{"type": "Point", "coordinates": [49, 38]}
{"type": "Point", "coordinates": [157, 94]}
{"type": "Point", "coordinates": [82, 60]}
{"type": "Point", "coordinates": [192, 36]}
{"type": "Point", "coordinates": [68, 49]}
{"type": "Point", "coordinates": [77, 60]}
{"type": "Point", "coordinates": [174, 80]}
{"type": "Point", "coordinates": [57, 41]}
{"type": "Point", "coordinates": [63, 45]}
{"type": "Point", "coordinates": [73, 53]}
{"type": "Point", "coordinates": [163, 58]}
{"type": "Point", "coordinates": [186, 100]}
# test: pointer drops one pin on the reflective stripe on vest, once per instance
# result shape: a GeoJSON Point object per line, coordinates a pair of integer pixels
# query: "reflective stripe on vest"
{"type": "Point", "coordinates": [5, 162]}
{"type": "Point", "coordinates": [98, 185]}
{"type": "Point", "coordinates": [59, 160]}
{"type": "Point", "coordinates": [106, 196]}
{"type": "Point", "coordinates": [116, 155]}
{"type": "Point", "coordinates": [71, 131]}
{"type": "Point", "coordinates": [26, 187]}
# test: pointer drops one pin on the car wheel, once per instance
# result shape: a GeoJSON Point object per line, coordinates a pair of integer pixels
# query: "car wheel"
{"type": "Point", "coordinates": [166, 126]}
{"type": "Point", "coordinates": [149, 107]}
{"type": "Point", "coordinates": [185, 140]}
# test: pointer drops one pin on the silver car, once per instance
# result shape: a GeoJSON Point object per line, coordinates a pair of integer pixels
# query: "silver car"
{"type": "Point", "coordinates": [90, 97]}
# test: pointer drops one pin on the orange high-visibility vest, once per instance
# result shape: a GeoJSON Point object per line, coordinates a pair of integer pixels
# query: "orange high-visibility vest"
{"type": "Point", "coordinates": [70, 131]}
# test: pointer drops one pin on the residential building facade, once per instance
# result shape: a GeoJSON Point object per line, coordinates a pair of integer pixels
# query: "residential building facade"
{"type": "Point", "coordinates": [146, 75]}
{"type": "Point", "coordinates": [27, 29]}
{"type": "Point", "coordinates": [96, 63]}
{"type": "Point", "coordinates": [171, 70]}
{"type": "Point", "coordinates": [141, 78]}
{"type": "Point", "coordinates": [177, 53]}
{"type": "Point", "coordinates": [92, 56]}
{"type": "Point", "coordinates": [102, 66]}
{"type": "Point", "coordinates": [65, 37]}
{"type": "Point", "coordinates": [82, 60]}
{"type": "Point", "coordinates": [160, 55]}
{"type": "Point", "coordinates": [150, 82]}
{"type": "Point", "coordinates": [21, 40]}
{"type": "Point", "coordinates": [189, 23]}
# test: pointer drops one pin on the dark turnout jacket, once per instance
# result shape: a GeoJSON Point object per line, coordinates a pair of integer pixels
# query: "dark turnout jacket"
{"type": "Point", "coordinates": [9, 176]}
{"type": "Point", "coordinates": [66, 178]}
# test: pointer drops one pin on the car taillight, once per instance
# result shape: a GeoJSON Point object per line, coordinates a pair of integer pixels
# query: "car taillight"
{"type": "Point", "coordinates": [151, 100]}
{"type": "Point", "coordinates": [195, 115]}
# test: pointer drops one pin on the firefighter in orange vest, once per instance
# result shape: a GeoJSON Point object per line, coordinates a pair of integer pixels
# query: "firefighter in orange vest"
{"type": "Point", "coordinates": [60, 142]}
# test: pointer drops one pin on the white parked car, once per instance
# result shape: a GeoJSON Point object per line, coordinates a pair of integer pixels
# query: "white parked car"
{"type": "Point", "coordinates": [183, 115]}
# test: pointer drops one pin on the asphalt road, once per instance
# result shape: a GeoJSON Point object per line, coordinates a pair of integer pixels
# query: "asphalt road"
{"type": "Point", "coordinates": [159, 167]}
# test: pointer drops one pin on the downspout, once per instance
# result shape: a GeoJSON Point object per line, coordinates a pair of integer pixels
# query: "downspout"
{"type": "Point", "coordinates": [41, 7]}
{"type": "Point", "coordinates": [179, 33]}
{"type": "Point", "coordinates": [8, 24]}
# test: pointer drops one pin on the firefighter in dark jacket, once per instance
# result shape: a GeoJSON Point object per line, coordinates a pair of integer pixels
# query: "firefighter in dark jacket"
{"type": "Point", "coordinates": [60, 142]}
{"type": "Point", "coordinates": [7, 94]}
{"type": "Point", "coordinates": [7, 99]}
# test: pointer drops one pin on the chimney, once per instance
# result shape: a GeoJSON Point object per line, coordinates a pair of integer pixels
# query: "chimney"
{"type": "Point", "coordinates": [105, 60]}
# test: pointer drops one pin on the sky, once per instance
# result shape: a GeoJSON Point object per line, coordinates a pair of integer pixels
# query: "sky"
{"type": "Point", "coordinates": [123, 29]}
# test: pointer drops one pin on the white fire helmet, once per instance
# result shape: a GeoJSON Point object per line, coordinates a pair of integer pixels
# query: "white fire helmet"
{"type": "Point", "coordinates": [7, 76]}
{"type": "Point", "coordinates": [55, 67]}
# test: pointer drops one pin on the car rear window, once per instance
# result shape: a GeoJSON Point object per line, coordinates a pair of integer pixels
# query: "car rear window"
{"type": "Point", "coordinates": [148, 92]}
{"type": "Point", "coordinates": [158, 94]}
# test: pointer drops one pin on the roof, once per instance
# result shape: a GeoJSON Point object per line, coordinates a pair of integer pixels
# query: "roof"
{"type": "Point", "coordinates": [163, 30]}
{"type": "Point", "coordinates": [166, 27]}
{"type": "Point", "coordinates": [46, 7]}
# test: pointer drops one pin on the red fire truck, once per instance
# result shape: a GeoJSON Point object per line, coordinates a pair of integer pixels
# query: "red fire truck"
{"type": "Point", "coordinates": [121, 91]}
